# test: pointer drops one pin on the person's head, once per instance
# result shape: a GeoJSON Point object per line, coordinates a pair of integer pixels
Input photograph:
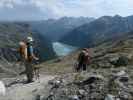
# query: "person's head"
{"type": "Point", "coordinates": [29, 40]}
{"type": "Point", "coordinates": [85, 49]}
{"type": "Point", "coordinates": [88, 50]}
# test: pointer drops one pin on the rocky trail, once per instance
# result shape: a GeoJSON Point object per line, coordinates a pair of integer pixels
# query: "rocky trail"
{"type": "Point", "coordinates": [17, 89]}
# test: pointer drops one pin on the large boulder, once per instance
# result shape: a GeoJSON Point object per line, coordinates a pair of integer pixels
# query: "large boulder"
{"type": "Point", "coordinates": [119, 61]}
{"type": "Point", "coordinates": [2, 89]}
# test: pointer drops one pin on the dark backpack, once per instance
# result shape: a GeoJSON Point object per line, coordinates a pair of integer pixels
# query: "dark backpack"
{"type": "Point", "coordinates": [81, 57]}
{"type": "Point", "coordinates": [30, 52]}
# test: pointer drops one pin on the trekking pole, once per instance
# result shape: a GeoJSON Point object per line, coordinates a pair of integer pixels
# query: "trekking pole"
{"type": "Point", "coordinates": [75, 67]}
{"type": "Point", "coordinates": [36, 70]}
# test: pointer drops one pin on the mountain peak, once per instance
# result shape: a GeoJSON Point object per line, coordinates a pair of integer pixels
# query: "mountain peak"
{"type": "Point", "coordinates": [110, 17]}
{"type": "Point", "coordinates": [118, 16]}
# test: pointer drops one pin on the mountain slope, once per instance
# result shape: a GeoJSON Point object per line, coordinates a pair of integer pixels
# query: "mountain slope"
{"type": "Point", "coordinates": [121, 46]}
{"type": "Point", "coordinates": [58, 27]}
{"type": "Point", "coordinates": [43, 46]}
{"type": "Point", "coordinates": [99, 30]}
{"type": "Point", "coordinates": [11, 33]}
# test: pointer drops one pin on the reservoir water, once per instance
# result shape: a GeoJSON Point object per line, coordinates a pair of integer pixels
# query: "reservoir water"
{"type": "Point", "coordinates": [63, 49]}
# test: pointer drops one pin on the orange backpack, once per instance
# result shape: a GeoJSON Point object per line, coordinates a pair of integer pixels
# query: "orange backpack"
{"type": "Point", "coordinates": [23, 50]}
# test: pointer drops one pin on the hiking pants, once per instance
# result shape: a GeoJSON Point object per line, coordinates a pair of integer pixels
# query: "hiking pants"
{"type": "Point", "coordinates": [81, 66]}
{"type": "Point", "coordinates": [29, 71]}
{"type": "Point", "coordinates": [84, 67]}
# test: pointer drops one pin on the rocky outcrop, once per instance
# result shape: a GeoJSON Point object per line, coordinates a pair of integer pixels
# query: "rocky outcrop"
{"type": "Point", "coordinates": [91, 86]}
{"type": "Point", "coordinates": [9, 54]}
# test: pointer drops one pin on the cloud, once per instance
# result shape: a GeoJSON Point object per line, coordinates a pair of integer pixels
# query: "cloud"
{"type": "Point", "coordinates": [99, 8]}
{"type": "Point", "coordinates": [42, 9]}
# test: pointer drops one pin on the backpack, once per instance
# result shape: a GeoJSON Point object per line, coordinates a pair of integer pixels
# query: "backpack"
{"type": "Point", "coordinates": [84, 57]}
{"type": "Point", "coordinates": [29, 52]}
{"type": "Point", "coordinates": [81, 56]}
{"type": "Point", "coordinates": [23, 50]}
{"type": "Point", "coordinates": [87, 58]}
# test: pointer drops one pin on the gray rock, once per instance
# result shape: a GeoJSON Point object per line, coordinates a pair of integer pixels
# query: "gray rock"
{"type": "Point", "coordinates": [118, 60]}
{"type": "Point", "coordinates": [124, 79]}
{"type": "Point", "coordinates": [37, 97]}
{"type": "Point", "coordinates": [110, 97]}
{"type": "Point", "coordinates": [92, 78]}
{"type": "Point", "coordinates": [122, 61]}
{"type": "Point", "coordinates": [55, 83]}
{"type": "Point", "coordinates": [81, 92]}
{"type": "Point", "coordinates": [121, 73]}
{"type": "Point", "coordinates": [104, 64]}
{"type": "Point", "coordinates": [74, 97]}
{"type": "Point", "coordinates": [121, 76]}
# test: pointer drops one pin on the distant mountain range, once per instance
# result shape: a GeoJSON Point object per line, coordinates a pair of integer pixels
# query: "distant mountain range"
{"type": "Point", "coordinates": [78, 32]}
{"type": "Point", "coordinates": [44, 33]}
{"type": "Point", "coordinates": [55, 29]}
{"type": "Point", "coordinates": [99, 30]}
{"type": "Point", "coordinates": [106, 30]}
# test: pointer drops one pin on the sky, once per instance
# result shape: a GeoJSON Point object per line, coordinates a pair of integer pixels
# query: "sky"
{"type": "Point", "coordinates": [45, 9]}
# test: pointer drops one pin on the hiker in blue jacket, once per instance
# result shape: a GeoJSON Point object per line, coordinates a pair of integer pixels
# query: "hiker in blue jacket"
{"type": "Point", "coordinates": [30, 57]}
